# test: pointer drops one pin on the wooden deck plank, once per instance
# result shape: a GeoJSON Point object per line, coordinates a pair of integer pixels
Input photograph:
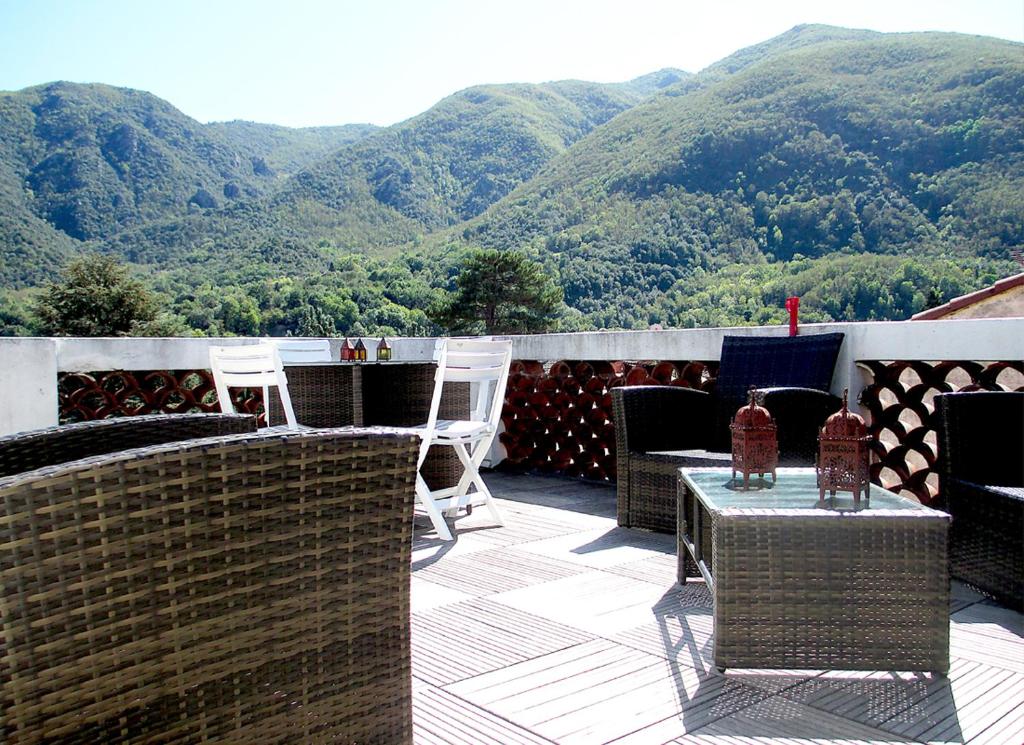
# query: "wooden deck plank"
{"type": "Point", "coordinates": [779, 717]}
{"type": "Point", "coordinates": [652, 700]}
{"type": "Point", "coordinates": [881, 699]}
{"type": "Point", "coordinates": [594, 601]}
{"type": "Point", "coordinates": [465, 639]}
{"type": "Point", "coordinates": [661, 570]}
{"type": "Point", "coordinates": [491, 571]}
{"type": "Point", "coordinates": [1008, 729]}
{"type": "Point", "coordinates": [605, 547]}
{"type": "Point", "coordinates": [541, 671]}
{"type": "Point", "coordinates": [988, 634]}
{"type": "Point", "coordinates": [440, 718]}
{"type": "Point", "coordinates": [679, 628]}
{"type": "Point", "coordinates": [427, 595]}
{"type": "Point", "coordinates": [610, 691]}
{"type": "Point", "coordinates": [970, 719]}
{"type": "Point", "coordinates": [572, 630]}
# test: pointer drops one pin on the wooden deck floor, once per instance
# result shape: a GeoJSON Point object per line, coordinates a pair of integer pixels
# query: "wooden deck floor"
{"type": "Point", "coordinates": [563, 628]}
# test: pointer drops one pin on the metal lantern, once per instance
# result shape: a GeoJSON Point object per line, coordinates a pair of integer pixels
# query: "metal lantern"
{"type": "Point", "coordinates": [844, 454]}
{"type": "Point", "coordinates": [755, 443]}
{"type": "Point", "coordinates": [347, 353]}
{"type": "Point", "coordinates": [383, 350]}
{"type": "Point", "coordinates": [359, 351]}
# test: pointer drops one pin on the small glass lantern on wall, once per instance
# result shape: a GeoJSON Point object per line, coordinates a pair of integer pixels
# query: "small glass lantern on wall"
{"type": "Point", "coordinates": [844, 454]}
{"type": "Point", "coordinates": [359, 351]}
{"type": "Point", "coordinates": [755, 442]}
{"type": "Point", "coordinates": [383, 350]}
{"type": "Point", "coordinates": [347, 353]}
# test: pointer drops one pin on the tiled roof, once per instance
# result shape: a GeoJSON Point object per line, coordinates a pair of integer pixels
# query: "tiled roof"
{"type": "Point", "coordinates": [964, 301]}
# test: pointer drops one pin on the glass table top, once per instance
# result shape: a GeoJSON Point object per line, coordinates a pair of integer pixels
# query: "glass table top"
{"type": "Point", "coordinates": [794, 489]}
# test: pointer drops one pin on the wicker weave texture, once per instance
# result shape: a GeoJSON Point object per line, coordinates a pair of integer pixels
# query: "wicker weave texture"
{"type": "Point", "coordinates": [987, 539]}
{"type": "Point", "coordinates": [322, 396]}
{"type": "Point", "coordinates": [652, 421]}
{"type": "Point", "coordinates": [831, 592]}
{"type": "Point", "coordinates": [387, 395]}
{"type": "Point", "coordinates": [253, 589]}
{"type": "Point", "coordinates": [26, 451]}
{"type": "Point", "coordinates": [981, 458]}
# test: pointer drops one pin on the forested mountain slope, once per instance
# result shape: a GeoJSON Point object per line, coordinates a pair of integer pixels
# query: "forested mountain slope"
{"type": "Point", "coordinates": [870, 173]}
{"type": "Point", "coordinates": [465, 153]}
{"type": "Point", "coordinates": [907, 145]}
{"type": "Point", "coordinates": [87, 162]}
{"type": "Point", "coordinates": [396, 185]}
{"type": "Point", "coordinates": [288, 150]}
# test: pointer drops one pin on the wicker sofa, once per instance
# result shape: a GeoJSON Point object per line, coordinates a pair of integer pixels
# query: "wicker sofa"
{"type": "Point", "coordinates": [243, 588]}
{"type": "Point", "coordinates": [659, 429]}
{"type": "Point", "coordinates": [981, 467]}
{"type": "Point", "coordinates": [26, 451]}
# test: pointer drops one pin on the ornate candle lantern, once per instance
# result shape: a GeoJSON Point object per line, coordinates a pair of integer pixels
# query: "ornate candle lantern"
{"type": "Point", "coordinates": [383, 350]}
{"type": "Point", "coordinates": [359, 351]}
{"type": "Point", "coordinates": [844, 454]}
{"type": "Point", "coordinates": [755, 444]}
{"type": "Point", "coordinates": [347, 353]}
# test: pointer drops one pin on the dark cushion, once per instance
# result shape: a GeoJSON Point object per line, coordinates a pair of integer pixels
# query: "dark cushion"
{"type": "Point", "coordinates": [773, 361]}
{"type": "Point", "coordinates": [981, 436]}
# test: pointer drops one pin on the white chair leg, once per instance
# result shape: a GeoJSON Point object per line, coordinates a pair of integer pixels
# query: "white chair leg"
{"type": "Point", "coordinates": [461, 489]}
{"type": "Point", "coordinates": [424, 498]}
{"type": "Point", "coordinates": [471, 464]}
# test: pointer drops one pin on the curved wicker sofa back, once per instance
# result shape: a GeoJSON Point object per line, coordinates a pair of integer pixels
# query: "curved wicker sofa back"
{"type": "Point", "coordinates": [981, 440]}
{"type": "Point", "coordinates": [251, 588]}
{"type": "Point", "coordinates": [26, 451]}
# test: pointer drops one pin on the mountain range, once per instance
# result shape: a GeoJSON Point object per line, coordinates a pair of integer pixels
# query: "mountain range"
{"type": "Point", "coordinates": [888, 168]}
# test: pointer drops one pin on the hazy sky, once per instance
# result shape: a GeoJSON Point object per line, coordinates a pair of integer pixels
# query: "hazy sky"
{"type": "Point", "coordinates": [312, 62]}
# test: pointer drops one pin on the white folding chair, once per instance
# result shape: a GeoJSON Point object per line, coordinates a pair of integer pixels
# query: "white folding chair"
{"type": "Point", "coordinates": [484, 364]}
{"type": "Point", "coordinates": [251, 366]}
{"type": "Point", "coordinates": [300, 350]}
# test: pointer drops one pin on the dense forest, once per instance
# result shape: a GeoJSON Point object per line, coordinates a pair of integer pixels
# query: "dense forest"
{"type": "Point", "coordinates": [872, 174]}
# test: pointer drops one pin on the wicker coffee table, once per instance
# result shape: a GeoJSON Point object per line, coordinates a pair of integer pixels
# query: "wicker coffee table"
{"type": "Point", "coordinates": [800, 584]}
{"type": "Point", "coordinates": [379, 394]}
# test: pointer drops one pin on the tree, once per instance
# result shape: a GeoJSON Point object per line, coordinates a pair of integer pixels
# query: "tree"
{"type": "Point", "coordinates": [499, 292]}
{"type": "Point", "coordinates": [317, 322]}
{"type": "Point", "coordinates": [95, 297]}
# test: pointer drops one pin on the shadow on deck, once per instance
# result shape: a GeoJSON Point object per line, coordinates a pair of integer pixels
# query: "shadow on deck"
{"type": "Point", "coordinates": [561, 627]}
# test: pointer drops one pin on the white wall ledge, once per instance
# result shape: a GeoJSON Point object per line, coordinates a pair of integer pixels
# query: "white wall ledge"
{"type": "Point", "coordinates": [29, 366]}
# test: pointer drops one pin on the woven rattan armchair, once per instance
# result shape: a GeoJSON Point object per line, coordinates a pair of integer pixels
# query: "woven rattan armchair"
{"type": "Point", "coordinates": [26, 451]}
{"type": "Point", "coordinates": [981, 467]}
{"type": "Point", "coordinates": [659, 429]}
{"type": "Point", "coordinates": [250, 588]}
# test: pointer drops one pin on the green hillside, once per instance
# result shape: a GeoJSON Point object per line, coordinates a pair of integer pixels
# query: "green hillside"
{"type": "Point", "coordinates": [89, 162]}
{"type": "Point", "coordinates": [908, 145]}
{"type": "Point", "coordinates": [464, 154]}
{"type": "Point", "coordinates": [397, 185]}
{"type": "Point", "coordinates": [285, 150]}
{"type": "Point", "coordinates": [872, 174]}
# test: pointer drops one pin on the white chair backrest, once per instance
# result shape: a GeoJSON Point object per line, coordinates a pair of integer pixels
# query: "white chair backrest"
{"type": "Point", "coordinates": [483, 362]}
{"type": "Point", "coordinates": [250, 366]}
{"type": "Point", "coordinates": [303, 350]}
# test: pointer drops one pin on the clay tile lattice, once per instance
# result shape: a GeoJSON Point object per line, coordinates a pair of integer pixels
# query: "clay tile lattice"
{"type": "Point", "coordinates": [98, 395]}
{"type": "Point", "coordinates": [901, 415]}
{"type": "Point", "coordinates": [558, 419]}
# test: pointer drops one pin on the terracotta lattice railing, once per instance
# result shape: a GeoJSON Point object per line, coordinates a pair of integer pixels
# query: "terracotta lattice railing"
{"type": "Point", "coordinates": [97, 395]}
{"type": "Point", "coordinates": [558, 419]}
{"type": "Point", "coordinates": [900, 408]}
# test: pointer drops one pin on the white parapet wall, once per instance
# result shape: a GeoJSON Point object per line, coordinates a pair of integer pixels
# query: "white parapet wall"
{"type": "Point", "coordinates": [29, 367]}
{"type": "Point", "coordinates": [28, 384]}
